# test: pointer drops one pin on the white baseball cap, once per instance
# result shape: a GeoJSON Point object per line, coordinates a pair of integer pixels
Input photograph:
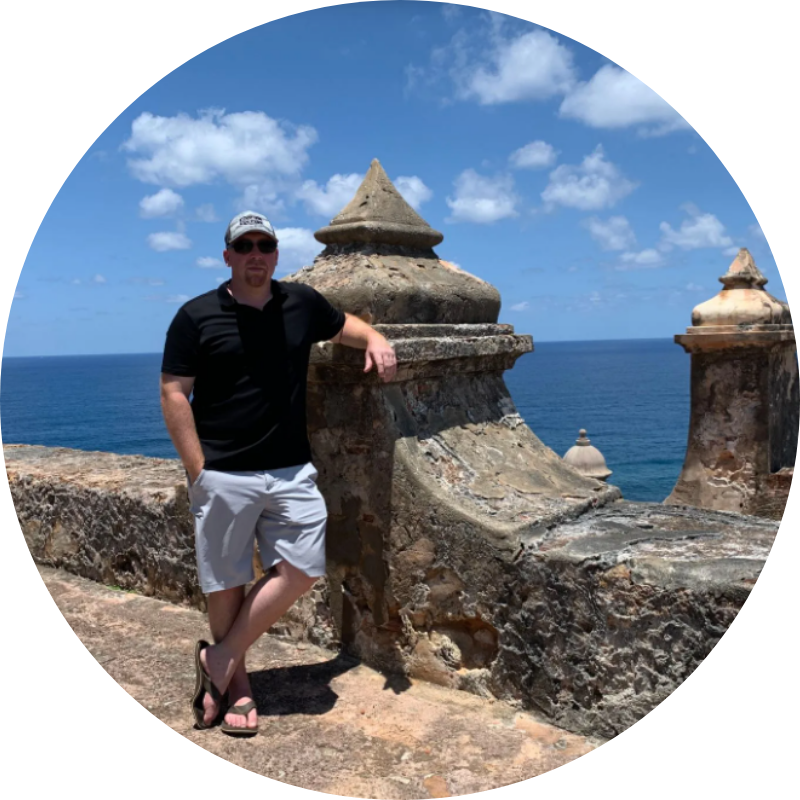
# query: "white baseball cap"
{"type": "Point", "coordinates": [246, 222]}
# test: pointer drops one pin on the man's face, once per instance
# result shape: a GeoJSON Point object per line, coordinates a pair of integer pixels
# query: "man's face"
{"type": "Point", "coordinates": [254, 268]}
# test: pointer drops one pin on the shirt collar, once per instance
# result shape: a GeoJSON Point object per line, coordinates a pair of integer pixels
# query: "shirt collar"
{"type": "Point", "coordinates": [227, 301]}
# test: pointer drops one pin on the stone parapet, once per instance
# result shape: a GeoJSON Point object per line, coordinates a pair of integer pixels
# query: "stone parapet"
{"type": "Point", "coordinates": [426, 350]}
{"type": "Point", "coordinates": [591, 614]}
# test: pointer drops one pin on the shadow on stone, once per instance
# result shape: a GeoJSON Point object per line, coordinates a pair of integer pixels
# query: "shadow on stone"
{"type": "Point", "coordinates": [397, 683]}
{"type": "Point", "coordinates": [303, 689]}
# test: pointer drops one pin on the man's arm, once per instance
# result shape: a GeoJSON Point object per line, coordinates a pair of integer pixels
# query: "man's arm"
{"type": "Point", "coordinates": [357, 333]}
{"type": "Point", "coordinates": [175, 391]}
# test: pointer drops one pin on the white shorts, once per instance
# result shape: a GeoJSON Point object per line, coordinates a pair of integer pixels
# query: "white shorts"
{"type": "Point", "coordinates": [282, 509]}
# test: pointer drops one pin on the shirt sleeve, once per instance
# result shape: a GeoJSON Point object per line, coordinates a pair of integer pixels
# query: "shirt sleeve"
{"type": "Point", "coordinates": [328, 320]}
{"type": "Point", "coordinates": [182, 347]}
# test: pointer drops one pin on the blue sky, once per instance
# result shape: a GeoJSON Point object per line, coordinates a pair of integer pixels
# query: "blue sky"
{"type": "Point", "coordinates": [553, 174]}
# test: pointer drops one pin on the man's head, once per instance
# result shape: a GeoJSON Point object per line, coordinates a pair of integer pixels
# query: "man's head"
{"type": "Point", "coordinates": [251, 249]}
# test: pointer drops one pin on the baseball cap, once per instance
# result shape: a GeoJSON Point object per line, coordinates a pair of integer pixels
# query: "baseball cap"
{"type": "Point", "coordinates": [246, 222]}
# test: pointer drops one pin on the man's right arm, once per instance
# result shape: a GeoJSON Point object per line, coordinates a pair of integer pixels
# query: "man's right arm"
{"type": "Point", "coordinates": [175, 392]}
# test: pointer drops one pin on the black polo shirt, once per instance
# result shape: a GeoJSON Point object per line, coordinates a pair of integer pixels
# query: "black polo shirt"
{"type": "Point", "coordinates": [250, 367]}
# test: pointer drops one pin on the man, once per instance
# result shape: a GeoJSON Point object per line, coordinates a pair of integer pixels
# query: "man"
{"type": "Point", "coordinates": [241, 352]}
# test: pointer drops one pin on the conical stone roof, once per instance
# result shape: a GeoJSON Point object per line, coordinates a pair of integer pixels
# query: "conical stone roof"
{"type": "Point", "coordinates": [380, 215]}
{"type": "Point", "coordinates": [743, 299]}
{"type": "Point", "coordinates": [379, 264]}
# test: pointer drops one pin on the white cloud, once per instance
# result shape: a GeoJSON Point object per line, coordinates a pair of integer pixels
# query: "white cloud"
{"type": "Point", "coordinates": [98, 279]}
{"type": "Point", "coordinates": [263, 196]}
{"type": "Point", "coordinates": [168, 240]}
{"type": "Point", "coordinates": [414, 191]}
{"type": "Point", "coordinates": [536, 155]}
{"type": "Point", "coordinates": [731, 251]}
{"type": "Point", "coordinates": [700, 230]}
{"type": "Point", "coordinates": [76, 281]}
{"type": "Point", "coordinates": [645, 259]}
{"type": "Point", "coordinates": [693, 287]}
{"type": "Point", "coordinates": [534, 66]}
{"type": "Point", "coordinates": [297, 248]}
{"type": "Point", "coordinates": [482, 200]}
{"type": "Point", "coordinates": [592, 185]}
{"type": "Point", "coordinates": [242, 148]}
{"type": "Point", "coordinates": [207, 262]}
{"type": "Point", "coordinates": [613, 98]}
{"type": "Point", "coordinates": [206, 213]}
{"type": "Point", "coordinates": [755, 230]}
{"type": "Point", "coordinates": [613, 234]}
{"type": "Point", "coordinates": [329, 200]}
{"type": "Point", "coordinates": [177, 298]}
{"type": "Point", "coordinates": [519, 306]}
{"type": "Point", "coordinates": [161, 204]}
{"type": "Point", "coordinates": [19, 295]}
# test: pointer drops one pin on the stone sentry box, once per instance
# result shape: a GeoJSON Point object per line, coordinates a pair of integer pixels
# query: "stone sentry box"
{"type": "Point", "coordinates": [461, 549]}
{"type": "Point", "coordinates": [745, 402]}
{"type": "Point", "coordinates": [437, 470]}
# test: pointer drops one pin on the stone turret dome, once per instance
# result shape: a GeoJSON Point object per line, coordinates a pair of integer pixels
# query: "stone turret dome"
{"type": "Point", "coordinates": [379, 264]}
{"type": "Point", "coordinates": [743, 299]}
{"type": "Point", "coordinates": [586, 458]}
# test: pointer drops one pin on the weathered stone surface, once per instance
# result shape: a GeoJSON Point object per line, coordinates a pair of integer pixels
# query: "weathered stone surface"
{"type": "Point", "coordinates": [745, 397]}
{"type": "Point", "coordinates": [770, 500]}
{"type": "Point", "coordinates": [387, 284]}
{"type": "Point", "coordinates": [120, 520]}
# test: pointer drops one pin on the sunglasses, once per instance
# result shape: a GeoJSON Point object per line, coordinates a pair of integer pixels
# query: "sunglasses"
{"type": "Point", "coordinates": [244, 246]}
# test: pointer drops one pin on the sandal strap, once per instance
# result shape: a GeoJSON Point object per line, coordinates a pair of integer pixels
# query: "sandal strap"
{"type": "Point", "coordinates": [244, 709]}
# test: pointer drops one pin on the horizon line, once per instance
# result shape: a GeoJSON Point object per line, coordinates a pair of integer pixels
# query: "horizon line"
{"type": "Point", "coordinates": [159, 352]}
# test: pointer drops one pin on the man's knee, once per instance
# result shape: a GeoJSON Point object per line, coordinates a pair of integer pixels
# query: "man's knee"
{"type": "Point", "coordinates": [295, 576]}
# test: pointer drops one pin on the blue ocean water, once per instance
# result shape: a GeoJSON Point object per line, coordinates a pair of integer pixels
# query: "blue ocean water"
{"type": "Point", "coordinates": [632, 396]}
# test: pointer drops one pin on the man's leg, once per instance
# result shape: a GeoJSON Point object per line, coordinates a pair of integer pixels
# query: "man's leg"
{"type": "Point", "coordinates": [227, 507]}
{"type": "Point", "coordinates": [265, 604]}
{"type": "Point", "coordinates": [223, 607]}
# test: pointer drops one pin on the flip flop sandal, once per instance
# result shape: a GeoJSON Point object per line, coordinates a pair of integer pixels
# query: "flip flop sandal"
{"type": "Point", "coordinates": [244, 710]}
{"type": "Point", "coordinates": [202, 685]}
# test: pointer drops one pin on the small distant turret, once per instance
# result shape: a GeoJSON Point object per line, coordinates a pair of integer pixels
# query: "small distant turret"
{"type": "Point", "coordinates": [586, 458]}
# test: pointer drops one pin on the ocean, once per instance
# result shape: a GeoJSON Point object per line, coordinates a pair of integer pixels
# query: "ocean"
{"type": "Point", "coordinates": [632, 397]}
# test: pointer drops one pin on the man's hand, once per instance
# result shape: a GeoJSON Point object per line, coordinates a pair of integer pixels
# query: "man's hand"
{"type": "Point", "coordinates": [194, 472]}
{"type": "Point", "coordinates": [380, 354]}
{"type": "Point", "coordinates": [175, 391]}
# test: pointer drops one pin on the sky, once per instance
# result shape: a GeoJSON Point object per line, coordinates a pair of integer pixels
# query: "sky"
{"type": "Point", "coordinates": [592, 206]}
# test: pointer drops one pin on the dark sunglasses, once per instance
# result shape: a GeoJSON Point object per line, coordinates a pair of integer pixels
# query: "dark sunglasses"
{"type": "Point", "coordinates": [244, 246]}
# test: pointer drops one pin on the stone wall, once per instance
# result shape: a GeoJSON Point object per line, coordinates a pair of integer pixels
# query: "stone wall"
{"type": "Point", "coordinates": [592, 619]}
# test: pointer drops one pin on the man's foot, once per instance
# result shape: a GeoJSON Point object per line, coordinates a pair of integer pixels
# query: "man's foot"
{"type": "Point", "coordinates": [218, 669]}
{"type": "Point", "coordinates": [240, 694]}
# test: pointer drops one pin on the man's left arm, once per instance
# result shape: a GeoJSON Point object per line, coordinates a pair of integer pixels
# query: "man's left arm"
{"type": "Point", "coordinates": [379, 353]}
